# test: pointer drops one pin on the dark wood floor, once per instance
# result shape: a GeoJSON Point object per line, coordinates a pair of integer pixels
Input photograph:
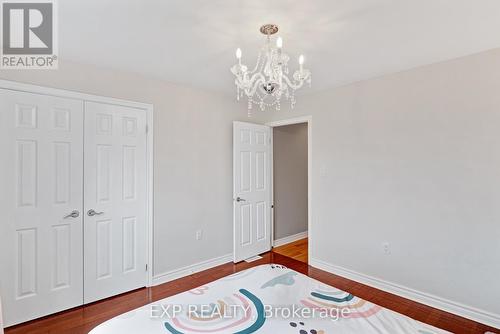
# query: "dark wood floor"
{"type": "Point", "coordinates": [82, 319]}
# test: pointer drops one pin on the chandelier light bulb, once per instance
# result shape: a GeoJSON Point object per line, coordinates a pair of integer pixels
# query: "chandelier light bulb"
{"type": "Point", "coordinates": [279, 43]}
{"type": "Point", "coordinates": [301, 60]}
{"type": "Point", "coordinates": [238, 53]}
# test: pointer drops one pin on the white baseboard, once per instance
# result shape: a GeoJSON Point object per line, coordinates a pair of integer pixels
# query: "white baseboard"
{"type": "Point", "coordinates": [465, 311]}
{"type": "Point", "coordinates": [191, 269]}
{"type": "Point", "coordinates": [289, 239]}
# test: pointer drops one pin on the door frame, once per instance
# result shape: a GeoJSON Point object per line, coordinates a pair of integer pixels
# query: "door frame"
{"type": "Point", "coordinates": [147, 107]}
{"type": "Point", "coordinates": [290, 121]}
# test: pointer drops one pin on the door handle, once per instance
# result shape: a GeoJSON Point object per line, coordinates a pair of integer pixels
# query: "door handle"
{"type": "Point", "coordinates": [92, 213]}
{"type": "Point", "coordinates": [239, 199]}
{"type": "Point", "coordinates": [73, 214]}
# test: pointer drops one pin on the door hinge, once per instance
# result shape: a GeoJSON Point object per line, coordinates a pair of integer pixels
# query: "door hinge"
{"type": "Point", "coordinates": [147, 129]}
{"type": "Point", "coordinates": [146, 267]}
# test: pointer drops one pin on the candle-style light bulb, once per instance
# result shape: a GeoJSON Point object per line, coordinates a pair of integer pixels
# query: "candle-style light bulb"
{"type": "Point", "coordinates": [279, 43]}
{"type": "Point", "coordinates": [301, 63]}
{"type": "Point", "coordinates": [238, 56]}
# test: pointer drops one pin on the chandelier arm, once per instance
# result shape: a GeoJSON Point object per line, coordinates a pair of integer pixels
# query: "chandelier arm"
{"type": "Point", "coordinates": [255, 77]}
{"type": "Point", "coordinates": [250, 91]}
{"type": "Point", "coordinates": [295, 84]}
{"type": "Point", "coordinates": [249, 84]}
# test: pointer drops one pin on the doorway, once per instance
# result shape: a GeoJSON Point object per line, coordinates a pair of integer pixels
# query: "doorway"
{"type": "Point", "coordinates": [253, 195]}
{"type": "Point", "coordinates": [291, 188]}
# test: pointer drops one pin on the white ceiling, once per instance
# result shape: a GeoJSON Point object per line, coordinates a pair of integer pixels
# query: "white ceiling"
{"type": "Point", "coordinates": [193, 42]}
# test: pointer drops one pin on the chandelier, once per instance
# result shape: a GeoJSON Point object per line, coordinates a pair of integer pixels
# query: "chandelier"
{"type": "Point", "coordinates": [268, 83]}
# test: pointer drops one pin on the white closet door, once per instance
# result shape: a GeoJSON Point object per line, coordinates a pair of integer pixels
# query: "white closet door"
{"type": "Point", "coordinates": [251, 190]}
{"type": "Point", "coordinates": [115, 189]}
{"type": "Point", "coordinates": [41, 177]}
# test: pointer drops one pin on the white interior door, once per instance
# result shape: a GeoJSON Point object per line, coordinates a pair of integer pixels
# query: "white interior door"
{"type": "Point", "coordinates": [41, 175]}
{"type": "Point", "coordinates": [251, 190]}
{"type": "Point", "coordinates": [115, 191]}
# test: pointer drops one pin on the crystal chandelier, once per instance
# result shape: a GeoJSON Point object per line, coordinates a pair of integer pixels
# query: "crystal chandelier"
{"type": "Point", "coordinates": [268, 83]}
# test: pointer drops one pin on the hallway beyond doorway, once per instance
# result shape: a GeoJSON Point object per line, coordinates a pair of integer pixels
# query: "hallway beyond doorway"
{"type": "Point", "coordinates": [297, 250]}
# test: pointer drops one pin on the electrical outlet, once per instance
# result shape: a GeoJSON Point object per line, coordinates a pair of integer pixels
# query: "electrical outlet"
{"type": "Point", "coordinates": [386, 248]}
{"type": "Point", "coordinates": [322, 171]}
{"type": "Point", "coordinates": [199, 234]}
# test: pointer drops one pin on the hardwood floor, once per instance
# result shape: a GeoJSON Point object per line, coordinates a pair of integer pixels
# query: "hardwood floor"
{"type": "Point", "coordinates": [82, 319]}
{"type": "Point", "coordinates": [296, 250]}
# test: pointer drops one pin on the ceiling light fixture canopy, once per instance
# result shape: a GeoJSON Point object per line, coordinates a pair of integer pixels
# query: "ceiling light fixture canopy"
{"type": "Point", "coordinates": [268, 82]}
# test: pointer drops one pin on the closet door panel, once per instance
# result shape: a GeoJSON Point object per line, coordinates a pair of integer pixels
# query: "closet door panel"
{"type": "Point", "coordinates": [115, 191]}
{"type": "Point", "coordinates": [41, 144]}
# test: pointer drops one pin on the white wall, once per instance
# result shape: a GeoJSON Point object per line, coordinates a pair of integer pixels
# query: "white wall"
{"type": "Point", "coordinates": [193, 157]}
{"type": "Point", "coordinates": [290, 179]}
{"type": "Point", "coordinates": [412, 159]}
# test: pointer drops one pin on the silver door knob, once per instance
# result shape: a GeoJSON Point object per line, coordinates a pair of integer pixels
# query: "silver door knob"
{"type": "Point", "coordinates": [239, 199]}
{"type": "Point", "coordinates": [92, 213]}
{"type": "Point", "coordinates": [73, 214]}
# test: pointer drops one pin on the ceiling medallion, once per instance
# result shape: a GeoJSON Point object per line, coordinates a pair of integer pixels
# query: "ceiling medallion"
{"type": "Point", "coordinates": [268, 82]}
